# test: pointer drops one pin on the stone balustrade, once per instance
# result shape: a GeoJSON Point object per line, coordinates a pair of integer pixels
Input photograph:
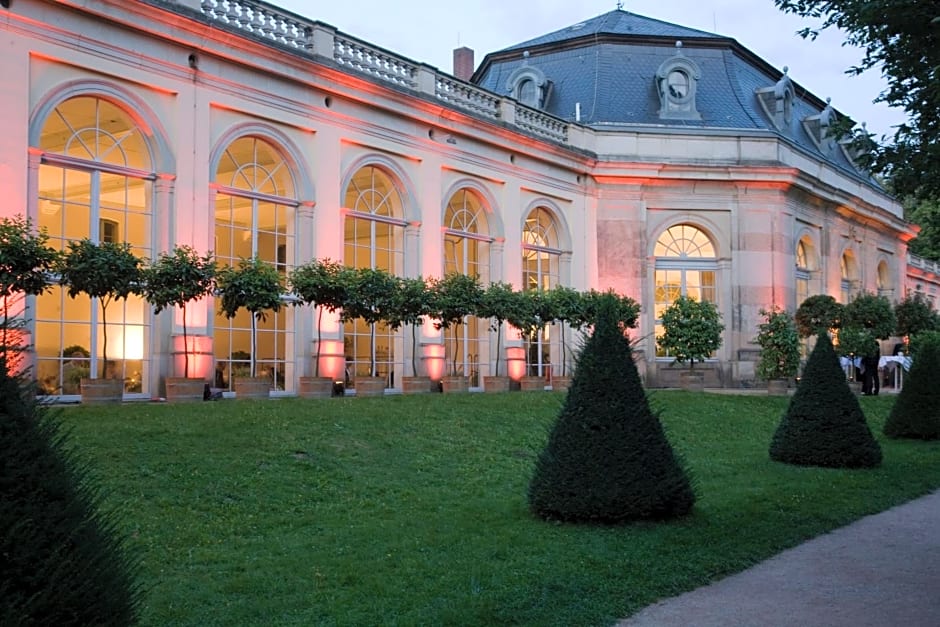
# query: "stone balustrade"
{"type": "Point", "coordinates": [267, 21]}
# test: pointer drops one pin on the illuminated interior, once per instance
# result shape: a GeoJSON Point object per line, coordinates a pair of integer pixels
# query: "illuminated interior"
{"type": "Point", "coordinates": [848, 269]}
{"type": "Point", "coordinates": [374, 238]}
{"type": "Point", "coordinates": [96, 182]}
{"type": "Point", "coordinates": [541, 258]}
{"type": "Point", "coordinates": [686, 265]}
{"type": "Point", "coordinates": [255, 199]}
{"type": "Point", "coordinates": [466, 250]}
{"type": "Point", "coordinates": [806, 263]}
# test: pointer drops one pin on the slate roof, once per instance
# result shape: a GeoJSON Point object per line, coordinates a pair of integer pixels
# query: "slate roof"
{"type": "Point", "coordinates": [608, 65]}
{"type": "Point", "coordinates": [617, 22]}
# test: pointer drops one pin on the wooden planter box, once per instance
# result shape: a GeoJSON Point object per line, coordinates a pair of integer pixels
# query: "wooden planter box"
{"type": "Point", "coordinates": [452, 385]}
{"type": "Point", "coordinates": [561, 383]}
{"type": "Point", "coordinates": [691, 380]}
{"type": "Point", "coordinates": [416, 385]}
{"type": "Point", "coordinates": [369, 386]}
{"type": "Point", "coordinates": [496, 384]}
{"type": "Point", "coordinates": [532, 383]}
{"type": "Point", "coordinates": [777, 387]}
{"type": "Point", "coordinates": [102, 391]}
{"type": "Point", "coordinates": [251, 387]}
{"type": "Point", "coordinates": [315, 387]}
{"type": "Point", "coordinates": [181, 389]}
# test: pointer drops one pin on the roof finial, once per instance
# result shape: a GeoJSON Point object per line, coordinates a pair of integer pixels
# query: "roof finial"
{"type": "Point", "coordinates": [619, 5]}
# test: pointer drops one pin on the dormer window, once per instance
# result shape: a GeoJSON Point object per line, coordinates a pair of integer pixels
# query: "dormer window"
{"type": "Point", "coordinates": [777, 101]}
{"type": "Point", "coordinates": [528, 85]}
{"type": "Point", "coordinates": [676, 82]}
{"type": "Point", "coordinates": [819, 128]}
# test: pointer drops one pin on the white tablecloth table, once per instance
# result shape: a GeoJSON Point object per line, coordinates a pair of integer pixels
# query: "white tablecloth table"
{"type": "Point", "coordinates": [890, 364]}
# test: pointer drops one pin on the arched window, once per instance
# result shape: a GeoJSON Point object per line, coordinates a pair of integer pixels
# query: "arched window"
{"type": "Point", "coordinates": [849, 274]}
{"type": "Point", "coordinates": [374, 238]}
{"type": "Point", "coordinates": [541, 258]}
{"type": "Point", "coordinates": [255, 200]}
{"type": "Point", "coordinates": [686, 265]}
{"type": "Point", "coordinates": [95, 181]}
{"type": "Point", "coordinates": [885, 288]}
{"type": "Point", "coordinates": [466, 250]}
{"type": "Point", "coordinates": [805, 264]}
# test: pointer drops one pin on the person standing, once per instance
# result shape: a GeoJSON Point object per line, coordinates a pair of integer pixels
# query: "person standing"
{"type": "Point", "coordinates": [871, 383]}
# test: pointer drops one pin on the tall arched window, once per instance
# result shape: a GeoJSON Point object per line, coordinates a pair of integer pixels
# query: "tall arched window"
{"type": "Point", "coordinates": [805, 264]}
{"type": "Point", "coordinates": [466, 250]}
{"type": "Point", "coordinates": [95, 181]}
{"type": "Point", "coordinates": [255, 199]}
{"type": "Point", "coordinates": [686, 265]}
{"type": "Point", "coordinates": [374, 238]}
{"type": "Point", "coordinates": [848, 268]}
{"type": "Point", "coordinates": [541, 257]}
{"type": "Point", "coordinates": [885, 287]}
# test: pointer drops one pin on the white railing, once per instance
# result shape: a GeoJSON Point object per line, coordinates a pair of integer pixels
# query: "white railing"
{"type": "Point", "coordinates": [923, 264]}
{"type": "Point", "coordinates": [260, 19]}
{"type": "Point", "coordinates": [269, 22]}
{"type": "Point", "coordinates": [541, 124]}
{"type": "Point", "coordinates": [466, 96]}
{"type": "Point", "coordinates": [364, 58]}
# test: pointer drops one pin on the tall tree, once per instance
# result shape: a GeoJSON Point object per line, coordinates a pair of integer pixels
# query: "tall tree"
{"type": "Point", "coordinates": [901, 38]}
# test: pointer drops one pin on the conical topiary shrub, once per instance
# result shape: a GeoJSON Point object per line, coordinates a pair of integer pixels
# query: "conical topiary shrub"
{"type": "Point", "coordinates": [824, 424]}
{"type": "Point", "coordinates": [607, 459]}
{"type": "Point", "coordinates": [61, 561]}
{"type": "Point", "coordinates": [916, 412]}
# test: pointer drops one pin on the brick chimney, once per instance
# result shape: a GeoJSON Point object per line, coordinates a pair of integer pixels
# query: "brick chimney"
{"type": "Point", "coordinates": [463, 63]}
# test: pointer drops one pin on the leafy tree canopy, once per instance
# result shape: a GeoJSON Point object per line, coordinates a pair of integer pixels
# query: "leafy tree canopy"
{"type": "Point", "coordinates": [872, 313]}
{"type": "Point", "coordinates": [691, 330]}
{"type": "Point", "coordinates": [915, 314]}
{"type": "Point", "coordinates": [817, 314]}
{"type": "Point", "coordinates": [901, 38]}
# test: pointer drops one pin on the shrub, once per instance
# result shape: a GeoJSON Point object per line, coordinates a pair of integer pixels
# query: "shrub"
{"type": "Point", "coordinates": [779, 345]}
{"type": "Point", "coordinates": [916, 412]}
{"type": "Point", "coordinates": [607, 459]}
{"type": "Point", "coordinates": [824, 424]}
{"type": "Point", "coordinates": [691, 330]}
{"type": "Point", "coordinates": [63, 563]}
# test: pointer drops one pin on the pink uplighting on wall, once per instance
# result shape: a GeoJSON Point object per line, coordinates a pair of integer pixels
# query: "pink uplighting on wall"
{"type": "Point", "coordinates": [201, 359]}
{"type": "Point", "coordinates": [332, 359]}
{"type": "Point", "coordinates": [515, 362]}
{"type": "Point", "coordinates": [433, 358]}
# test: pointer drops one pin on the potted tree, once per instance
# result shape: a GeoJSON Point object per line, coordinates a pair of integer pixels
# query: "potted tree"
{"type": "Point", "coordinates": [176, 279]}
{"type": "Point", "coordinates": [779, 350]}
{"type": "Point", "coordinates": [691, 332]}
{"type": "Point", "coordinates": [567, 307]}
{"type": "Point", "coordinates": [256, 286]}
{"type": "Point", "coordinates": [323, 284]}
{"type": "Point", "coordinates": [411, 304]}
{"type": "Point", "coordinates": [455, 297]}
{"type": "Point", "coordinates": [106, 272]}
{"type": "Point", "coordinates": [497, 303]}
{"type": "Point", "coordinates": [26, 262]}
{"type": "Point", "coordinates": [529, 315]}
{"type": "Point", "coordinates": [873, 314]}
{"type": "Point", "coordinates": [369, 298]}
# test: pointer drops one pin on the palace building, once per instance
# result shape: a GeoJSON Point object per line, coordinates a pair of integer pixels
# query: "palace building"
{"type": "Point", "coordinates": [620, 153]}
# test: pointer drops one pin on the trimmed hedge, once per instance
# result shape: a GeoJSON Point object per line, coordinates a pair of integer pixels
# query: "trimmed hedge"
{"type": "Point", "coordinates": [916, 412]}
{"type": "Point", "coordinates": [824, 424]}
{"type": "Point", "coordinates": [61, 560]}
{"type": "Point", "coordinates": [607, 459]}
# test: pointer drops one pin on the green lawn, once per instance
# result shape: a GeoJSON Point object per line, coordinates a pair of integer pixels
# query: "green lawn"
{"type": "Point", "coordinates": [412, 510]}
